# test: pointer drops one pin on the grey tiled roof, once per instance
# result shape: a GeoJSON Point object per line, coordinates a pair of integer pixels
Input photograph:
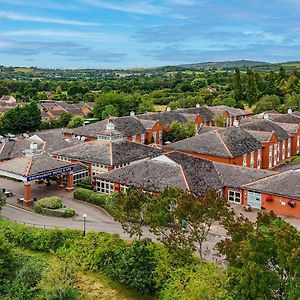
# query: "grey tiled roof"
{"type": "Point", "coordinates": [264, 125]}
{"type": "Point", "coordinates": [203, 111]}
{"type": "Point", "coordinates": [113, 153]}
{"type": "Point", "coordinates": [171, 170]}
{"type": "Point", "coordinates": [165, 118]}
{"type": "Point", "coordinates": [261, 136]}
{"type": "Point", "coordinates": [284, 118]}
{"type": "Point", "coordinates": [29, 166]}
{"type": "Point", "coordinates": [289, 127]}
{"type": "Point", "coordinates": [224, 142]}
{"type": "Point", "coordinates": [54, 140]}
{"type": "Point", "coordinates": [14, 149]}
{"type": "Point", "coordinates": [284, 184]}
{"type": "Point", "coordinates": [235, 176]}
{"type": "Point", "coordinates": [220, 109]}
{"type": "Point", "coordinates": [128, 126]}
{"type": "Point", "coordinates": [181, 171]}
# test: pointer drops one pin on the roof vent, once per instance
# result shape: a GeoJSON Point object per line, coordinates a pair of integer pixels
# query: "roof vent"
{"type": "Point", "coordinates": [33, 146]}
{"type": "Point", "coordinates": [197, 105]}
{"type": "Point", "coordinates": [132, 114]}
{"type": "Point", "coordinates": [168, 108]}
{"type": "Point", "coordinates": [110, 126]}
{"type": "Point", "coordinates": [236, 123]}
{"type": "Point", "coordinates": [290, 111]}
{"type": "Point", "coordinates": [266, 116]}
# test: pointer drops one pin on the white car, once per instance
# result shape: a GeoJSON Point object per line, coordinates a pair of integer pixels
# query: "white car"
{"type": "Point", "coordinates": [10, 135]}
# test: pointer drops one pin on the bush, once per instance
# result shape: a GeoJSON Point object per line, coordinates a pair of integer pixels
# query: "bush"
{"type": "Point", "coordinates": [53, 206]}
{"type": "Point", "coordinates": [37, 238]}
{"type": "Point", "coordinates": [104, 201]}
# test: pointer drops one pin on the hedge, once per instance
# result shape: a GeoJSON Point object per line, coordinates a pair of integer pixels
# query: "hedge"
{"type": "Point", "coordinates": [53, 206]}
{"type": "Point", "coordinates": [105, 201]}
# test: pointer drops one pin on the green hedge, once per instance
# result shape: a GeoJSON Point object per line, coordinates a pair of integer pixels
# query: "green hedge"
{"type": "Point", "coordinates": [53, 206]}
{"type": "Point", "coordinates": [105, 201]}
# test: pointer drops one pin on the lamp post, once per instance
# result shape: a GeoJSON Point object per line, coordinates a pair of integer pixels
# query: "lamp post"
{"type": "Point", "coordinates": [84, 220]}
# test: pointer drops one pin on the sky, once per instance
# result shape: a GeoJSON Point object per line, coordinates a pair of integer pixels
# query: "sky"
{"type": "Point", "coordinates": [146, 33]}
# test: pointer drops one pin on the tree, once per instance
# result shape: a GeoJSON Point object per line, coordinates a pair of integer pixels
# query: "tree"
{"type": "Point", "coordinates": [22, 119]}
{"type": "Point", "coordinates": [64, 118]}
{"type": "Point", "coordinates": [237, 86]}
{"type": "Point", "coordinates": [206, 281]}
{"type": "Point", "coordinates": [179, 131]}
{"type": "Point", "coordinates": [109, 110]}
{"type": "Point", "coordinates": [251, 88]}
{"type": "Point", "coordinates": [264, 258]}
{"type": "Point", "coordinates": [2, 200]}
{"type": "Point", "coordinates": [6, 261]}
{"type": "Point", "coordinates": [267, 103]}
{"type": "Point", "coordinates": [145, 106]}
{"type": "Point", "coordinates": [75, 122]}
{"type": "Point", "coordinates": [89, 97]}
{"type": "Point", "coordinates": [188, 218]}
{"type": "Point", "coordinates": [220, 120]}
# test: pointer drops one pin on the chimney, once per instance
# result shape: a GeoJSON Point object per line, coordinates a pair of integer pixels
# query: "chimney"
{"type": "Point", "coordinates": [236, 123]}
{"type": "Point", "coordinates": [168, 108]}
{"type": "Point", "coordinates": [290, 111]}
{"type": "Point", "coordinates": [132, 114]}
{"type": "Point", "coordinates": [197, 105]}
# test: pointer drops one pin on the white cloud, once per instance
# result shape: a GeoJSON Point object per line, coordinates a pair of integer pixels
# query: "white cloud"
{"type": "Point", "coordinates": [40, 19]}
{"type": "Point", "coordinates": [75, 35]}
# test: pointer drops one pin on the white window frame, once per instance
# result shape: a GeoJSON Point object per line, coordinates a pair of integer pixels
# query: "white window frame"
{"type": "Point", "coordinates": [234, 195]}
{"type": "Point", "coordinates": [244, 160]}
{"type": "Point", "coordinates": [258, 158]}
{"type": "Point", "coordinates": [104, 187]}
{"type": "Point", "coordinates": [154, 135]}
{"type": "Point", "coordinates": [143, 138]}
{"type": "Point", "coordinates": [270, 156]}
{"type": "Point", "coordinates": [252, 159]}
{"type": "Point", "coordinates": [283, 149]}
{"type": "Point", "coordinates": [289, 147]}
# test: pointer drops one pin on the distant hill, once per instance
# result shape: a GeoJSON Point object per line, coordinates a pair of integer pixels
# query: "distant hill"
{"type": "Point", "coordinates": [225, 64]}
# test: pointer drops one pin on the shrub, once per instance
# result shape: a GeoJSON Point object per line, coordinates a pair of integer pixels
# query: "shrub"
{"type": "Point", "coordinates": [37, 238]}
{"type": "Point", "coordinates": [105, 201]}
{"type": "Point", "coordinates": [53, 207]}
{"type": "Point", "coordinates": [51, 203]}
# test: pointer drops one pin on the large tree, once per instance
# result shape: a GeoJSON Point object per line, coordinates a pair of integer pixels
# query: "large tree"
{"type": "Point", "coordinates": [264, 258]}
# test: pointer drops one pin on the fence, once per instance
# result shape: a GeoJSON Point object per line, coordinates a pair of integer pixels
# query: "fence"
{"type": "Point", "coordinates": [33, 224]}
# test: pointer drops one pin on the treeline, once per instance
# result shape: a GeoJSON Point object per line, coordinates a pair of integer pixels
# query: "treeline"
{"type": "Point", "coordinates": [176, 89]}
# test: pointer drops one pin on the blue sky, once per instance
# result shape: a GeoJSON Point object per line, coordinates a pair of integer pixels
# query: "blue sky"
{"type": "Point", "coordinates": [146, 33]}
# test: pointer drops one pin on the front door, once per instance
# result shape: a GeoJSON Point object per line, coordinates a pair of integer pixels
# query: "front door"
{"type": "Point", "coordinates": [254, 199]}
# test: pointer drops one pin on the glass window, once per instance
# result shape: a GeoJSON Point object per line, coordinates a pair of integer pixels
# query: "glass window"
{"type": "Point", "coordinates": [234, 196]}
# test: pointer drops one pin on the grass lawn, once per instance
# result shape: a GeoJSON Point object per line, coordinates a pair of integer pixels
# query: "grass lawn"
{"type": "Point", "coordinates": [91, 285]}
{"type": "Point", "coordinates": [23, 70]}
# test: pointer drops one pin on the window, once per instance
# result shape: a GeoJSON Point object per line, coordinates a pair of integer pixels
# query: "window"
{"type": "Point", "coordinates": [270, 156]}
{"type": "Point", "coordinates": [298, 143]}
{"type": "Point", "coordinates": [252, 159]}
{"type": "Point", "coordinates": [283, 150]}
{"type": "Point", "coordinates": [143, 138]}
{"type": "Point", "coordinates": [275, 154]}
{"type": "Point", "coordinates": [254, 199]}
{"type": "Point", "coordinates": [153, 137]}
{"type": "Point", "coordinates": [160, 134]}
{"type": "Point", "coordinates": [219, 193]}
{"type": "Point", "coordinates": [245, 160]}
{"type": "Point", "coordinates": [104, 187]}
{"type": "Point", "coordinates": [134, 138]}
{"type": "Point", "coordinates": [124, 188]}
{"type": "Point", "coordinates": [279, 152]}
{"type": "Point", "coordinates": [289, 147]}
{"type": "Point", "coordinates": [258, 158]}
{"type": "Point", "coordinates": [234, 196]}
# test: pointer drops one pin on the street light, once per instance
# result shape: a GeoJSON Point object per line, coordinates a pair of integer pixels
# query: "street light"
{"type": "Point", "coordinates": [84, 220]}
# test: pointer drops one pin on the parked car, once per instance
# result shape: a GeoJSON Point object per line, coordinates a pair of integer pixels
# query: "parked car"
{"type": "Point", "coordinates": [25, 135]}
